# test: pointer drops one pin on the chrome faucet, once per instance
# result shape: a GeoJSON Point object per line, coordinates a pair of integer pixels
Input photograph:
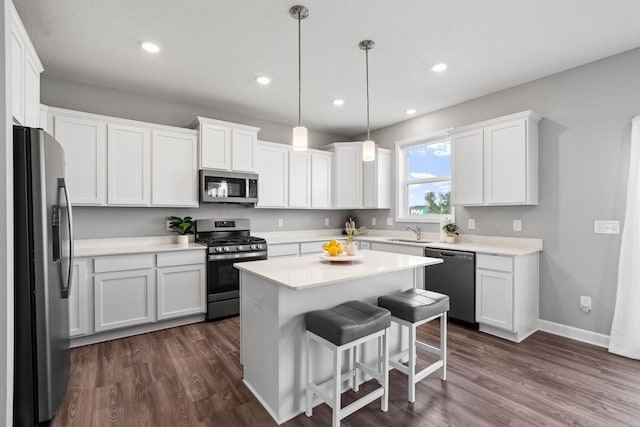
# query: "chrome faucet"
{"type": "Point", "coordinates": [416, 230]}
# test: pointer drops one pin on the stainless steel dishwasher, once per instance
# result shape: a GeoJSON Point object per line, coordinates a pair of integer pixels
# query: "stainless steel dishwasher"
{"type": "Point", "coordinates": [455, 277]}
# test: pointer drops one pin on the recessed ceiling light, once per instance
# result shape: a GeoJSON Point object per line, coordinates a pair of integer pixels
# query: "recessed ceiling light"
{"type": "Point", "coordinates": [263, 80]}
{"type": "Point", "coordinates": [439, 67]}
{"type": "Point", "coordinates": [338, 102]}
{"type": "Point", "coordinates": [150, 47]}
{"type": "Point", "coordinates": [410, 111]}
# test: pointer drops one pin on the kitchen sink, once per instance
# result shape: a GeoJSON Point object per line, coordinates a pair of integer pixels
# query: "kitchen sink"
{"type": "Point", "coordinates": [411, 241]}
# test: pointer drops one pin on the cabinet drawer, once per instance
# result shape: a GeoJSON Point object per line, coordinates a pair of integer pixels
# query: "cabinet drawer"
{"type": "Point", "coordinates": [494, 262]}
{"type": "Point", "coordinates": [123, 262]}
{"type": "Point", "coordinates": [284, 249]}
{"type": "Point", "coordinates": [311, 247]}
{"type": "Point", "coordinates": [167, 259]}
{"type": "Point", "coordinates": [363, 244]}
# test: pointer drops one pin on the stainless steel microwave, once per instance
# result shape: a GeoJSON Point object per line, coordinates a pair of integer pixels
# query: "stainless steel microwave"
{"type": "Point", "coordinates": [218, 186]}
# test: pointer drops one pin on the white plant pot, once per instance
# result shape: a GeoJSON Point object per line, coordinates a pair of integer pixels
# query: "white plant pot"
{"type": "Point", "coordinates": [183, 239]}
{"type": "Point", "coordinates": [451, 239]}
{"type": "Point", "coordinates": [352, 249]}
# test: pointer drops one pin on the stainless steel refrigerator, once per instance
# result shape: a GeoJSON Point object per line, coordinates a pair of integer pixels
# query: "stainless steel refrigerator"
{"type": "Point", "coordinates": [43, 274]}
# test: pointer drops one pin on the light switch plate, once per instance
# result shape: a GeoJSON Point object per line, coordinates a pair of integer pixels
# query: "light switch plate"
{"type": "Point", "coordinates": [280, 222]}
{"type": "Point", "coordinates": [373, 221]}
{"type": "Point", "coordinates": [389, 221]}
{"type": "Point", "coordinates": [471, 224]}
{"type": "Point", "coordinates": [606, 227]}
{"type": "Point", "coordinates": [517, 225]}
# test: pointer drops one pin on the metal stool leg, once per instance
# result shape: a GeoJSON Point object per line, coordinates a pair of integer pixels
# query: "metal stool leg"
{"type": "Point", "coordinates": [412, 363]}
{"type": "Point", "coordinates": [443, 346]}
{"type": "Point", "coordinates": [337, 381]}
{"type": "Point", "coordinates": [385, 370]}
{"type": "Point", "coordinates": [309, 410]}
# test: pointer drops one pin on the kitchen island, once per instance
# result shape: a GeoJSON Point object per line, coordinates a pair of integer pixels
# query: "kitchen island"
{"type": "Point", "coordinates": [275, 294]}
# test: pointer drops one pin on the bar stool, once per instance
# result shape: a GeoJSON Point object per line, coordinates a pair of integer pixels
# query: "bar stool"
{"type": "Point", "coordinates": [412, 308]}
{"type": "Point", "coordinates": [346, 327]}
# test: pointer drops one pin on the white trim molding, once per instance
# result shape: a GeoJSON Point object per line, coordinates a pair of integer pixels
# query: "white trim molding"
{"type": "Point", "coordinates": [590, 337]}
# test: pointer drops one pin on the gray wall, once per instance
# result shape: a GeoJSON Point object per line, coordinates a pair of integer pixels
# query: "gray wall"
{"type": "Point", "coordinates": [57, 92]}
{"type": "Point", "coordinates": [103, 222]}
{"type": "Point", "coordinates": [584, 146]}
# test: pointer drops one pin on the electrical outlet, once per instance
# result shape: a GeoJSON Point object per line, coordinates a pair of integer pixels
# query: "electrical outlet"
{"type": "Point", "coordinates": [471, 224]}
{"type": "Point", "coordinates": [169, 226]}
{"type": "Point", "coordinates": [326, 221]}
{"type": "Point", "coordinates": [373, 221]}
{"type": "Point", "coordinates": [280, 222]}
{"type": "Point", "coordinates": [585, 303]}
{"type": "Point", "coordinates": [389, 222]}
{"type": "Point", "coordinates": [606, 227]}
{"type": "Point", "coordinates": [517, 225]}
{"type": "Point", "coordinates": [257, 301]}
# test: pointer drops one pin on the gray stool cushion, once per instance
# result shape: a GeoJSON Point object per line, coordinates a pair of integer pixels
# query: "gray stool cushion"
{"type": "Point", "coordinates": [347, 322]}
{"type": "Point", "coordinates": [414, 305]}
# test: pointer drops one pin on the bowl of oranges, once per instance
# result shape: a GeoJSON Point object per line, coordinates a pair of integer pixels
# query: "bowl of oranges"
{"type": "Point", "coordinates": [333, 247]}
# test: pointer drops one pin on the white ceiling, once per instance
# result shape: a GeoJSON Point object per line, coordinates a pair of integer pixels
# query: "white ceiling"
{"type": "Point", "coordinates": [212, 50]}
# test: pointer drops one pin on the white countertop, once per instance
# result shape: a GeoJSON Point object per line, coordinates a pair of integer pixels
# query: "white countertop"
{"type": "Point", "coordinates": [130, 245]}
{"type": "Point", "coordinates": [509, 246]}
{"type": "Point", "coordinates": [310, 271]}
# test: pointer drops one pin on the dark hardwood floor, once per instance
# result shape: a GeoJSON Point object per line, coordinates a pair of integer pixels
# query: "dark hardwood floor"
{"type": "Point", "coordinates": [191, 376]}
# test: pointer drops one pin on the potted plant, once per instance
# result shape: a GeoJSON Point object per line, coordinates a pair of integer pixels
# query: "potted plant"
{"type": "Point", "coordinates": [452, 232]}
{"type": "Point", "coordinates": [352, 232]}
{"type": "Point", "coordinates": [182, 226]}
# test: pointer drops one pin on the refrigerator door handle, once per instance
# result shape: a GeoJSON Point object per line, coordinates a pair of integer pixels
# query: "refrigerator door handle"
{"type": "Point", "coordinates": [67, 289]}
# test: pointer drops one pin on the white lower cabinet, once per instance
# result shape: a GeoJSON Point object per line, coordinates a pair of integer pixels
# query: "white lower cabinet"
{"type": "Point", "coordinates": [79, 298]}
{"type": "Point", "coordinates": [180, 291]}
{"type": "Point", "coordinates": [494, 301]}
{"type": "Point", "coordinates": [124, 298]}
{"type": "Point", "coordinates": [135, 291]}
{"type": "Point", "coordinates": [507, 295]}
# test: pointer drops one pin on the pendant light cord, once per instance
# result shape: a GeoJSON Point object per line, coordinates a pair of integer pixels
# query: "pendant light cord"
{"type": "Point", "coordinates": [366, 52]}
{"type": "Point", "coordinates": [299, 70]}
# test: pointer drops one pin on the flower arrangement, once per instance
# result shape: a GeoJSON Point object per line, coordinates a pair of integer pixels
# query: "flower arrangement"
{"type": "Point", "coordinates": [351, 230]}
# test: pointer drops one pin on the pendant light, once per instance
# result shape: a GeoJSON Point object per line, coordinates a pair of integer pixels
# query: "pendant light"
{"type": "Point", "coordinates": [368, 146]}
{"type": "Point", "coordinates": [299, 132]}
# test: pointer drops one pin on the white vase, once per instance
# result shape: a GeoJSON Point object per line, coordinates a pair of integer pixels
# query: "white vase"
{"type": "Point", "coordinates": [451, 239]}
{"type": "Point", "coordinates": [183, 239]}
{"type": "Point", "coordinates": [352, 249]}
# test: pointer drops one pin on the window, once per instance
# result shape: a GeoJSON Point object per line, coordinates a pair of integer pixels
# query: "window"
{"type": "Point", "coordinates": [424, 178]}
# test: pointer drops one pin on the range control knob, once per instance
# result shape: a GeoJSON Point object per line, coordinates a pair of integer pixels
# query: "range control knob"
{"type": "Point", "coordinates": [218, 249]}
{"type": "Point", "coordinates": [260, 246]}
{"type": "Point", "coordinates": [254, 247]}
{"type": "Point", "coordinates": [240, 247]}
{"type": "Point", "coordinates": [226, 249]}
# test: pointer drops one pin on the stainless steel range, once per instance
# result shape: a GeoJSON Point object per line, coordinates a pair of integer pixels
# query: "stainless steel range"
{"type": "Point", "coordinates": [228, 241]}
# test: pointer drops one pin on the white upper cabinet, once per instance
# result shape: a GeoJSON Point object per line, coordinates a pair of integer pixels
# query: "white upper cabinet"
{"type": "Point", "coordinates": [119, 162]}
{"type": "Point", "coordinates": [321, 167]}
{"type": "Point", "coordinates": [467, 168]}
{"type": "Point", "coordinates": [377, 181]}
{"type": "Point", "coordinates": [174, 164]}
{"type": "Point", "coordinates": [243, 146]}
{"type": "Point", "coordinates": [272, 166]}
{"type": "Point", "coordinates": [25, 68]}
{"type": "Point", "coordinates": [496, 162]}
{"type": "Point", "coordinates": [129, 165]}
{"type": "Point", "coordinates": [299, 179]}
{"type": "Point", "coordinates": [225, 145]}
{"type": "Point", "coordinates": [85, 149]}
{"type": "Point", "coordinates": [347, 174]}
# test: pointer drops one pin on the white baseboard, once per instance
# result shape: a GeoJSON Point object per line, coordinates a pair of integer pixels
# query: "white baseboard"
{"type": "Point", "coordinates": [578, 334]}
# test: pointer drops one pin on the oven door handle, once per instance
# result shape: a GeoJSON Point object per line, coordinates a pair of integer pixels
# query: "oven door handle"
{"type": "Point", "coordinates": [240, 257]}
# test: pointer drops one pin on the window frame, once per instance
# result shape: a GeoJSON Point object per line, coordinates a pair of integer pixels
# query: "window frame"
{"type": "Point", "coordinates": [402, 183]}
